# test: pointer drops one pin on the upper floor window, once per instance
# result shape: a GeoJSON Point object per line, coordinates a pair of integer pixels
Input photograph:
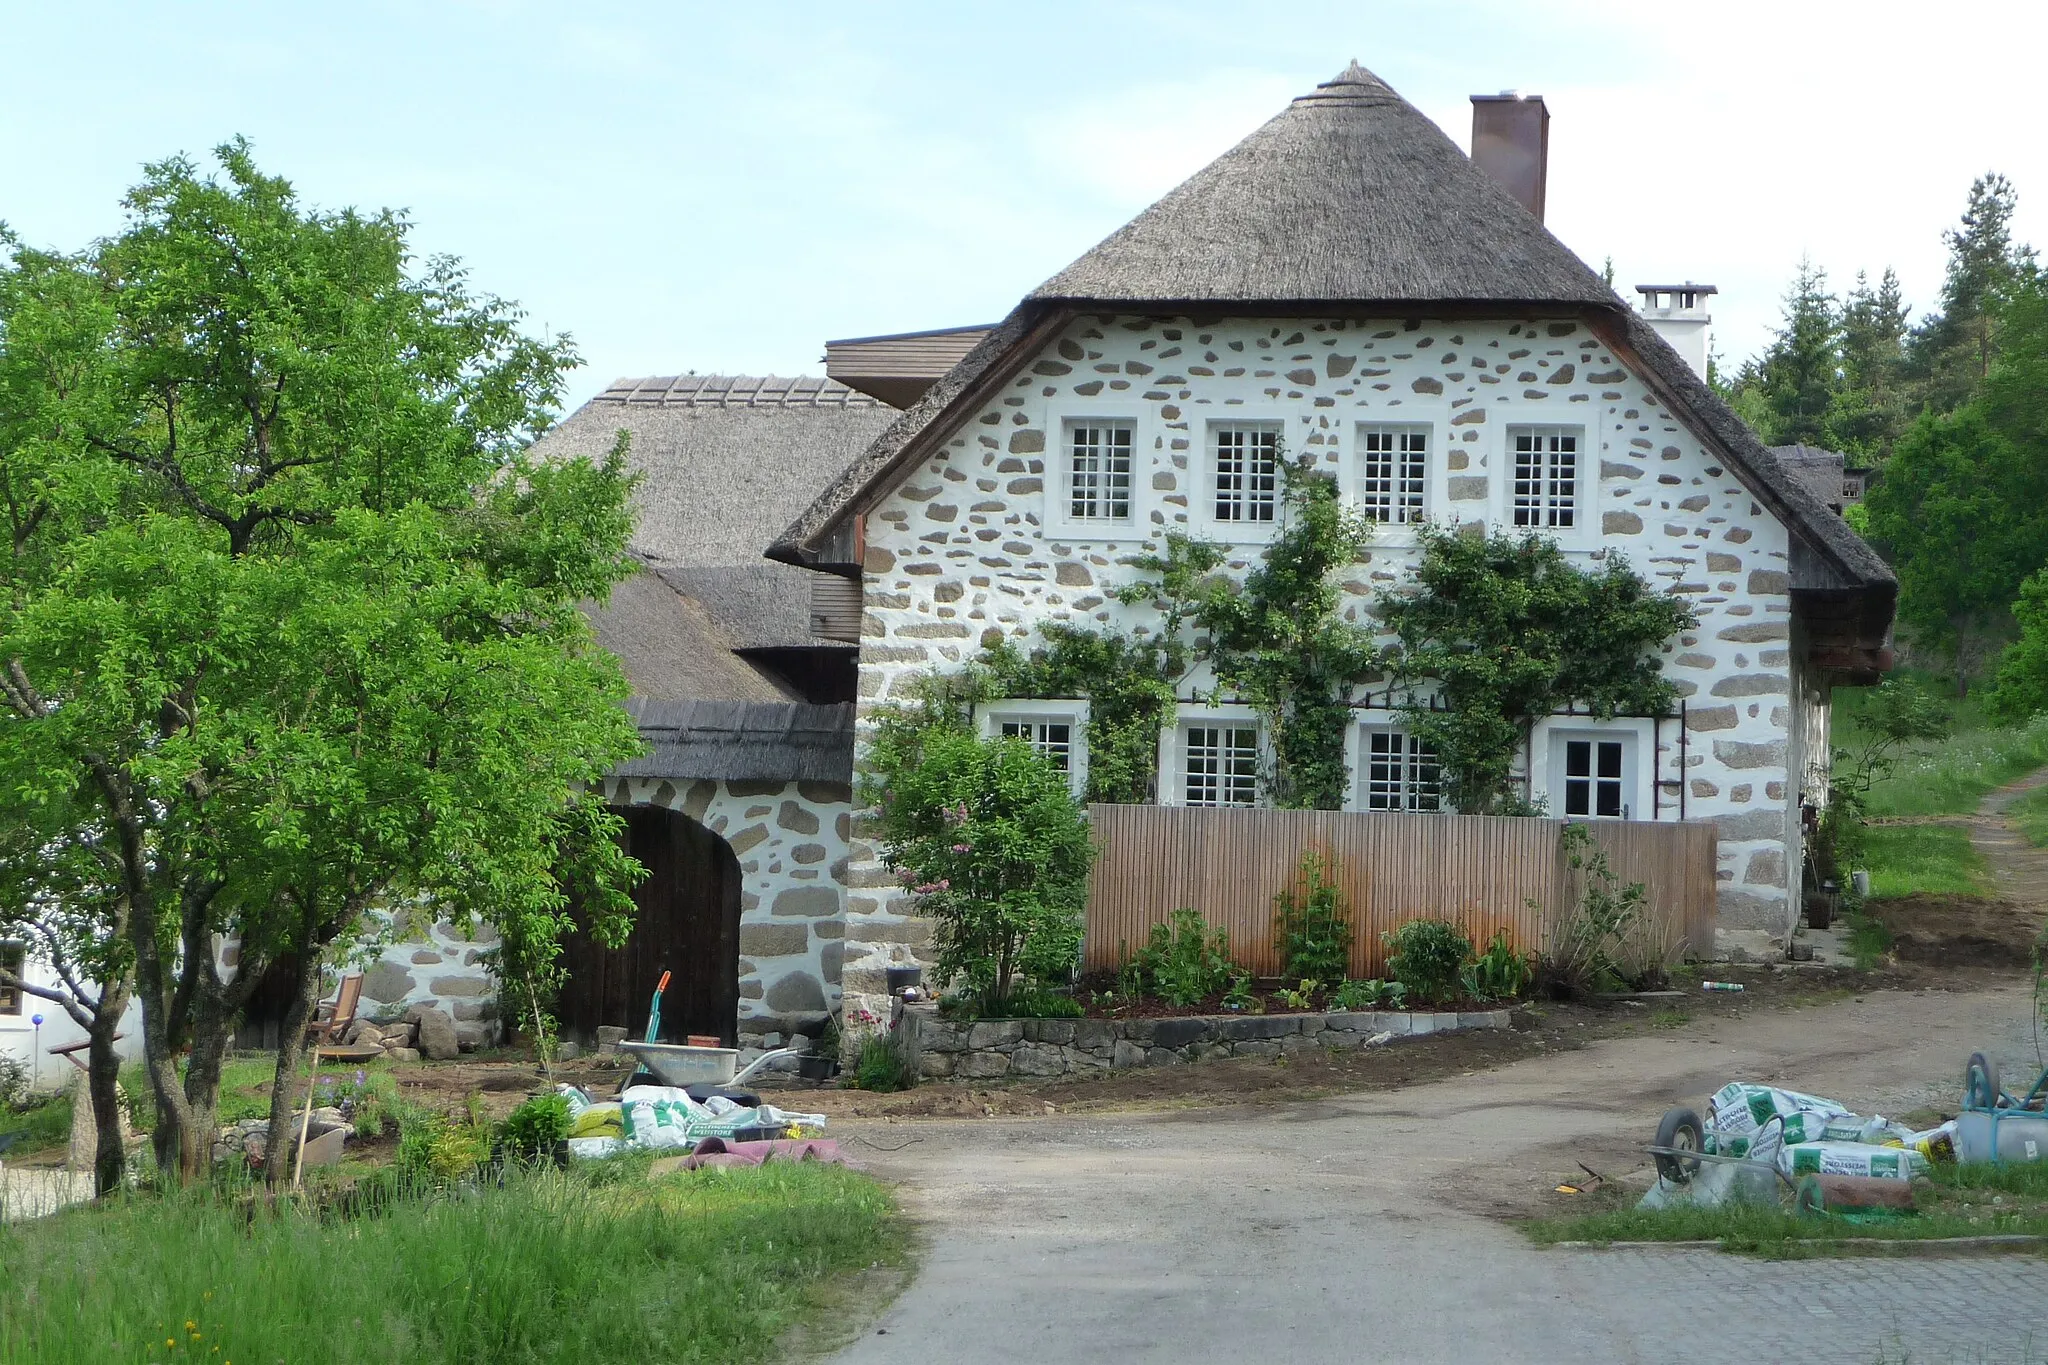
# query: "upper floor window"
{"type": "Point", "coordinates": [1401, 772]}
{"type": "Point", "coordinates": [1098, 470]}
{"type": "Point", "coordinates": [1546, 476]}
{"type": "Point", "coordinates": [1393, 473]}
{"type": "Point", "coordinates": [1219, 764]}
{"type": "Point", "coordinates": [13, 958]}
{"type": "Point", "coordinates": [1246, 460]}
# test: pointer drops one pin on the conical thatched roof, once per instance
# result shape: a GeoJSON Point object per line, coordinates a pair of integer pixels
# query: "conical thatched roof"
{"type": "Point", "coordinates": [1349, 195]}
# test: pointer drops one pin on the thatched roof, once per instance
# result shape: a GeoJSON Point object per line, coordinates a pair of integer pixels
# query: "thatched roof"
{"type": "Point", "coordinates": [727, 461]}
{"type": "Point", "coordinates": [1350, 203]}
{"type": "Point", "coordinates": [786, 741]}
{"type": "Point", "coordinates": [1350, 193]}
{"type": "Point", "coordinates": [672, 649]}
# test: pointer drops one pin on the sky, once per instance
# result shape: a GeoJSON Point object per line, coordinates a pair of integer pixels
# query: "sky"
{"type": "Point", "coordinates": [722, 188]}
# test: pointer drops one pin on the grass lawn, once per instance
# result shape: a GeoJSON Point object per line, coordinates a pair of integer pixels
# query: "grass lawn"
{"type": "Point", "coordinates": [699, 1266]}
{"type": "Point", "coordinates": [43, 1123]}
{"type": "Point", "coordinates": [1958, 1201]}
{"type": "Point", "coordinates": [1935, 859]}
{"type": "Point", "coordinates": [1949, 777]}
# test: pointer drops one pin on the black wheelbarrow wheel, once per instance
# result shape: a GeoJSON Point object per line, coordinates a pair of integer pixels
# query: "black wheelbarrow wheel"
{"type": "Point", "coordinates": [1681, 1132]}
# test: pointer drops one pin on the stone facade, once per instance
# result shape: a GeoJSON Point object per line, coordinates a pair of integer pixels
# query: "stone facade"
{"type": "Point", "coordinates": [791, 842]}
{"type": "Point", "coordinates": [975, 545]}
{"type": "Point", "coordinates": [997, 1049]}
{"type": "Point", "coordinates": [417, 961]}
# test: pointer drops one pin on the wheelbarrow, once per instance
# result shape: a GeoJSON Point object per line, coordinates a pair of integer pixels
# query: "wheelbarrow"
{"type": "Point", "coordinates": [1855, 1199]}
{"type": "Point", "coordinates": [1681, 1140]}
{"type": "Point", "coordinates": [683, 1066]}
{"type": "Point", "coordinates": [1997, 1125]}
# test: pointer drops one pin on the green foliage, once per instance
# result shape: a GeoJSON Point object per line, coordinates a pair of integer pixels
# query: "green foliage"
{"type": "Point", "coordinates": [880, 1067]}
{"type": "Point", "coordinates": [1427, 957]}
{"type": "Point", "coordinates": [1129, 686]}
{"type": "Point", "coordinates": [1948, 775]}
{"type": "Point", "coordinates": [1508, 630]}
{"type": "Point", "coordinates": [377, 1105]}
{"type": "Point", "coordinates": [437, 1148]}
{"type": "Point", "coordinates": [291, 619]}
{"type": "Point", "coordinates": [1906, 860]}
{"type": "Point", "coordinates": [697, 1269]}
{"type": "Point", "coordinates": [1893, 717]}
{"type": "Point", "coordinates": [1239, 997]}
{"type": "Point", "coordinates": [2029, 815]}
{"type": "Point", "coordinates": [2021, 691]}
{"type": "Point", "coordinates": [987, 835]}
{"type": "Point", "coordinates": [14, 1083]}
{"type": "Point", "coordinates": [1311, 923]}
{"type": "Point", "coordinates": [1499, 973]}
{"type": "Point", "coordinates": [1186, 961]}
{"type": "Point", "coordinates": [35, 1122]}
{"type": "Point", "coordinates": [1584, 953]}
{"type": "Point", "coordinates": [1961, 342]}
{"type": "Point", "coordinates": [1368, 994]}
{"type": "Point", "coordinates": [1038, 1003]}
{"type": "Point", "coordinates": [1301, 997]}
{"type": "Point", "coordinates": [1279, 642]}
{"type": "Point", "coordinates": [534, 1130]}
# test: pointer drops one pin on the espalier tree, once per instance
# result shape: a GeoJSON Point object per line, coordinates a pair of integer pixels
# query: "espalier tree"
{"type": "Point", "coordinates": [290, 623]}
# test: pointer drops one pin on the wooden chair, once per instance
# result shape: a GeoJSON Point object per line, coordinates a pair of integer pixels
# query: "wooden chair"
{"type": "Point", "coordinates": [331, 1018]}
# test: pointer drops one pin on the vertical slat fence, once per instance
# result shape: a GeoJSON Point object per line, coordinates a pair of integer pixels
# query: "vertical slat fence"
{"type": "Point", "coordinates": [1485, 873]}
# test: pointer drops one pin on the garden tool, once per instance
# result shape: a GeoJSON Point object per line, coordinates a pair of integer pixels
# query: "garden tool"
{"type": "Point", "coordinates": [654, 1010]}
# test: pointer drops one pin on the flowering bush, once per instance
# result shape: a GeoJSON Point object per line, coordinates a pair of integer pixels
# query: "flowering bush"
{"type": "Point", "coordinates": [988, 837]}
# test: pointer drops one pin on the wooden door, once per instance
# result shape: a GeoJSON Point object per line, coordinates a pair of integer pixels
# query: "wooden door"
{"type": "Point", "coordinates": [686, 922]}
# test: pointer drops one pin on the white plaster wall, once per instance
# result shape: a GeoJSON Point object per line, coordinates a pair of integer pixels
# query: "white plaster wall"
{"type": "Point", "coordinates": [19, 1037]}
{"type": "Point", "coordinates": [967, 551]}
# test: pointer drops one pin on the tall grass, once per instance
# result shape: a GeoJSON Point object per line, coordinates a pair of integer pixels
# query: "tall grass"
{"type": "Point", "coordinates": [2030, 816]}
{"type": "Point", "coordinates": [1951, 776]}
{"type": "Point", "coordinates": [708, 1266]}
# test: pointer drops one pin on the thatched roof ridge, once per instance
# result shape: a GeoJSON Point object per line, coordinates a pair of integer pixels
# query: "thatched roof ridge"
{"type": "Point", "coordinates": [753, 742]}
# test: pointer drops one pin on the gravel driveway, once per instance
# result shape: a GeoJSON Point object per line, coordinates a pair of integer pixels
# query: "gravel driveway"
{"type": "Point", "coordinates": [1366, 1228]}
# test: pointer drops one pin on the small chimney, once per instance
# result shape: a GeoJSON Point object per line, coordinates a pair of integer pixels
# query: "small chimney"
{"type": "Point", "coordinates": [1511, 143]}
{"type": "Point", "coordinates": [1678, 313]}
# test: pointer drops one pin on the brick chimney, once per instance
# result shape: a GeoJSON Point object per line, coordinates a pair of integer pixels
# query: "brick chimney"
{"type": "Point", "coordinates": [1511, 143]}
{"type": "Point", "coordinates": [1678, 313]}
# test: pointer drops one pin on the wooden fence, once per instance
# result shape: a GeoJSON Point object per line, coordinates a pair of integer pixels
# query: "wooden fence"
{"type": "Point", "coordinates": [1482, 872]}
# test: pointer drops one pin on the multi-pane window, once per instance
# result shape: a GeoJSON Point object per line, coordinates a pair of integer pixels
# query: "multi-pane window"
{"type": "Point", "coordinates": [12, 959]}
{"type": "Point", "coordinates": [1593, 780]}
{"type": "Point", "coordinates": [1247, 463]}
{"type": "Point", "coordinates": [1052, 738]}
{"type": "Point", "coordinates": [1220, 765]}
{"type": "Point", "coordinates": [1546, 476]}
{"type": "Point", "coordinates": [1099, 471]}
{"type": "Point", "coordinates": [1401, 772]}
{"type": "Point", "coordinates": [1393, 471]}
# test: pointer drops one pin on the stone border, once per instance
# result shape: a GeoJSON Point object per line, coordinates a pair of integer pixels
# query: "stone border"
{"type": "Point", "coordinates": [994, 1049]}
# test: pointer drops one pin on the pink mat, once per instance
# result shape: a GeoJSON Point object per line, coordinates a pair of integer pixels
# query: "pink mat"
{"type": "Point", "coordinates": [713, 1151]}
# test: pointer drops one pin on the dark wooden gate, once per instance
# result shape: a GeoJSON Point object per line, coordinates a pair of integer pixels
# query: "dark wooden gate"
{"type": "Point", "coordinates": [688, 923]}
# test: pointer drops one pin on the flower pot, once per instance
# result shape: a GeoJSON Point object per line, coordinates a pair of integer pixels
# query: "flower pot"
{"type": "Point", "coordinates": [817, 1067]}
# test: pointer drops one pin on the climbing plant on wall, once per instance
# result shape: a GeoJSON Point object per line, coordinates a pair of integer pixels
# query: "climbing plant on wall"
{"type": "Point", "coordinates": [1507, 630]}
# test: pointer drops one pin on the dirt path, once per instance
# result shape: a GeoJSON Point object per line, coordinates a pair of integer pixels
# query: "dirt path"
{"type": "Point", "coordinates": [1367, 1226]}
{"type": "Point", "coordinates": [1997, 932]}
{"type": "Point", "coordinates": [2018, 868]}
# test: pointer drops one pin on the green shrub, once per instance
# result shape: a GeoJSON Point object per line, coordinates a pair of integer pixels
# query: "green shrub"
{"type": "Point", "coordinates": [534, 1130]}
{"type": "Point", "coordinates": [1312, 925]}
{"type": "Point", "coordinates": [1368, 994]}
{"type": "Point", "coordinates": [13, 1083]}
{"type": "Point", "coordinates": [1239, 996]}
{"type": "Point", "coordinates": [1427, 956]}
{"type": "Point", "coordinates": [880, 1067]}
{"type": "Point", "coordinates": [1038, 1003]}
{"type": "Point", "coordinates": [1585, 949]}
{"type": "Point", "coordinates": [1186, 962]}
{"type": "Point", "coordinates": [1499, 973]}
{"type": "Point", "coordinates": [434, 1147]}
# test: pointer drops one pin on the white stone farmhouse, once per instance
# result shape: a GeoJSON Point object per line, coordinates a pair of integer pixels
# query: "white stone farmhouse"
{"type": "Point", "coordinates": [1347, 283]}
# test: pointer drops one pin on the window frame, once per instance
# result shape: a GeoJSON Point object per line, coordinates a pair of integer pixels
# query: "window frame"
{"type": "Point", "coordinates": [1435, 459]}
{"type": "Point", "coordinates": [1639, 764]}
{"type": "Point", "coordinates": [990, 716]}
{"type": "Point", "coordinates": [1173, 750]}
{"type": "Point", "coordinates": [1361, 772]}
{"type": "Point", "coordinates": [14, 1000]}
{"type": "Point", "coordinates": [1055, 511]}
{"type": "Point", "coordinates": [1583, 489]}
{"type": "Point", "coordinates": [1238, 531]}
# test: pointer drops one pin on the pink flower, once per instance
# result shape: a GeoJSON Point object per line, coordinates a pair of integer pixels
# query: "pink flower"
{"type": "Point", "coordinates": [930, 888]}
{"type": "Point", "coordinates": [963, 848]}
{"type": "Point", "coordinates": [956, 815]}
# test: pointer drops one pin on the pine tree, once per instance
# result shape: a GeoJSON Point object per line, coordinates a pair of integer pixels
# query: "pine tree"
{"type": "Point", "coordinates": [1798, 377]}
{"type": "Point", "coordinates": [1870, 409]}
{"type": "Point", "coordinates": [1952, 350]}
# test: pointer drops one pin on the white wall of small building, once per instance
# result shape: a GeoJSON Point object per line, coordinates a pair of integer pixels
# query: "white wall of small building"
{"type": "Point", "coordinates": [23, 1042]}
{"type": "Point", "coordinates": [975, 546]}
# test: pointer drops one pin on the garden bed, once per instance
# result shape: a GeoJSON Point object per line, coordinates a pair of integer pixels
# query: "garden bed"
{"type": "Point", "coordinates": [990, 1049]}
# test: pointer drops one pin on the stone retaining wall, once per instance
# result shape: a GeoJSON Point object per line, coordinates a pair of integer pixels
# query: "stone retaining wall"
{"type": "Point", "coordinates": [991, 1049]}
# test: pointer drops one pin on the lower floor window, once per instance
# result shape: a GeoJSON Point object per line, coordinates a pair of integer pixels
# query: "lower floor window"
{"type": "Point", "coordinates": [13, 958]}
{"type": "Point", "coordinates": [1052, 738]}
{"type": "Point", "coordinates": [1401, 772]}
{"type": "Point", "coordinates": [1594, 781]}
{"type": "Point", "coordinates": [1220, 765]}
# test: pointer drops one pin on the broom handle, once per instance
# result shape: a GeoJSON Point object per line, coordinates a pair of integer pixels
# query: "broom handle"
{"type": "Point", "coordinates": [306, 1120]}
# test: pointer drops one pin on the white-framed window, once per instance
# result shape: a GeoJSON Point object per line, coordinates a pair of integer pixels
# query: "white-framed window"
{"type": "Point", "coordinates": [1549, 466]}
{"type": "Point", "coordinates": [1393, 473]}
{"type": "Point", "coordinates": [1097, 469]}
{"type": "Point", "coordinates": [1057, 729]}
{"type": "Point", "coordinates": [13, 958]}
{"type": "Point", "coordinates": [1244, 463]}
{"type": "Point", "coordinates": [1220, 763]}
{"type": "Point", "coordinates": [1593, 775]}
{"type": "Point", "coordinates": [1399, 772]}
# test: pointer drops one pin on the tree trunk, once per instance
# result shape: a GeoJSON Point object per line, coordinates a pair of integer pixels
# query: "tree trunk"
{"type": "Point", "coordinates": [211, 1035]}
{"type": "Point", "coordinates": [103, 1081]}
{"type": "Point", "coordinates": [172, 1117]}
{"type": "Point", "coordinates": [291, 1045]}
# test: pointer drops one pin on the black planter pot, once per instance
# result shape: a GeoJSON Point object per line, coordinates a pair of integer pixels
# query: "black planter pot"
{"type": "Point", "coordinates": [817, 1068]}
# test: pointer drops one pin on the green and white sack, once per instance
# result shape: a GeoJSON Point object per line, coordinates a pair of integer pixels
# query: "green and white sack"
{"type": "Point", "coordinates": [1738, 1113]}
{"type": "Point", "coordinates": [1851, 1158]}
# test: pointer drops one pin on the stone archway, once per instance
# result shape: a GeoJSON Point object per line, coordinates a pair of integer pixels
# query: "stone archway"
{"type": "Point", "coordinates": [687, 923]}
